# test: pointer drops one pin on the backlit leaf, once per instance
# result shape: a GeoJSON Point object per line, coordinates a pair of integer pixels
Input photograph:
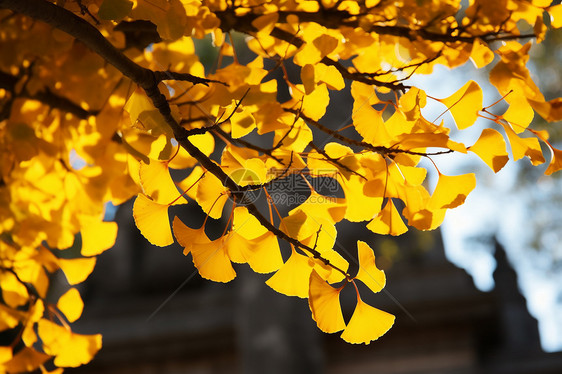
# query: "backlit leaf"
{"type": "Point", "coordinates": [71, 305]}
{"type": "Point", "coordinates": [368, 272]}
{"type": "Point", "coordinates": [366, 324]}
{"type": "Point", "coordinates": [465, 104]}
{"type": "Point", "coordinates": [324, 302]}
{"type": "Point", "coordinates": [78, 269]}
{"type": "Point", "coordinates": [292, 279]}
{"type": "Point", "coordinates": [152, 221]}
{"type": "Point", "coordinates": [490, 147]}
{"type": "Point", "coordinates": [388, 221]}
{"type": "Point", "coordinates": [451, 191]}
{"type": "Point", "coordinates": [69, 349]}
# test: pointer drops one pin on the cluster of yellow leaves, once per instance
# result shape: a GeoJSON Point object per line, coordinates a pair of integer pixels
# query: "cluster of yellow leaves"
{"type": "Point", "coordinates": [59, 166]}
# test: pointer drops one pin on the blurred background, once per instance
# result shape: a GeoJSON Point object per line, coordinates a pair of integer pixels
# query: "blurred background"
{"type": "Point", "coordinates": [481, 295]}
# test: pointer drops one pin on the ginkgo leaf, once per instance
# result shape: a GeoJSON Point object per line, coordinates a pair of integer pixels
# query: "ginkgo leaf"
{"type": "Point", "coordinates": [71, 305]}
{"type": "Point", "coordinates": [490, 147]}
{"type": "Point", "coordinates": [308, 79]}
{"type": "Point", "coordinates": [77, 270]}
{"type": "Point", "coordinates": [451, 191]}
{"type": "Point", "coordinates": [388, 221]}
{"type": "Point", "coordinates": [521, 147]}
{"type": "Point", "coordinates": [69, 349]}
{"type": "Point", "coordinates": [157, 183]}
{"type": "Point", "coordinates": [211, 195]}
{"type": "Point", "coordinates": [550, 111]}
{"type": "Point", "coordinates": [320, 206]}
{"type": "Point", "coordinates": [324, 302]}
{"type": "Point", "coordinates": [465, 104]}
{"type": "Point", "coordinates": [520, 113]}
{"type": "Point", "coordinates": [14, 292]}
{"type": "Point", "coordinates": [368, 272]}
{"type": "Point", "coordinates": [555, 161]}
{"type": "Point", "coordinates": [97, 236]}
{"type": "Point", "coordinates": [366, 324]}
{"type": "Point", "coordinates": [210, 257]}
{"type": "Point", "coordinates": [242, 121]}
{"type": "Point", "coordinates": [152, 221]}
{"type": "Point", "coordinates": [141, 110]}
{"type": "Point", "coordinates": [261, 253]}
{"type": "Point", "coordinates": [555, 15]}
{"type": "Point", "coordinates": [481, 54]}
{"type": "Point", "coordinates": [292, 279]}
{"type": "Point", "coordinates": [26, 360]}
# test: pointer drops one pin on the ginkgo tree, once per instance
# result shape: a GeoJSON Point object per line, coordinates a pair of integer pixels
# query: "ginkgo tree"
{"type": "Point", "coordinates": [101, 99]}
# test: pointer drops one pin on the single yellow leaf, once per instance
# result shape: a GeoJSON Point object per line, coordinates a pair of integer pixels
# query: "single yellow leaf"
{"type": "Point", "coordinates": [292, 279]}
{"type": "Point", "coordinates": [388, 221]}
{"type": "Point", "coordinates": [242, 121]}
{"type": "Point", "coordinates": [555, 16]}
{"type": "Point", "coordinates": [366, 324]}
{"type": "Point", "coordinates": [481, 54]}
{"type": "Point", "coordinates": [261, 253]}
{"type": "Point", "coordinates": [520, 113]}
{"type": "Point", "coordinates": [465, 104]}
{"type": "Point", "coordinates": [451, 191]}
{"type": "Point", "coordinates": [368, 272]}
{"type": "Point", "coordinates": [14, 293]}
{"type": "Point", "coordinates": [152, 221]}
{"type": "Point", "coordinates": [157, 183]}
{"type": "Point", "coordinates": [71, 305]}
{"type": "Point", "coordinates": [490, 147]}
{"type": "Point", "coordinates": [26, 360]}
{"type": "Point", "coordinates": [211, 195]}
{"type": "Point", "coordinates": [69, 349]}
{"type": "Point", "coordinates": [97, 236]}
{"type": "Point", "coordinates": [521, 147]}
{"type": "Point", "coordinates": [324, 302]}
{"type": "Point", "coordinates": [308, 79]}
{"type": "Point", "coordinates": [555, 161]}
{"type": "Point", "coordinates": [78, 269]}
{"type": "Point", "coordinates": [210, 257]}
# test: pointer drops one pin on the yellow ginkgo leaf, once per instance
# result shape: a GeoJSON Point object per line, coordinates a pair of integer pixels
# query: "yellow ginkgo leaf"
{"type": "Point", "coordinates": [292, 279]}
{"type": "Point", "coordinates": [14, 292]}
{"type": "Point", "coordinates": [71, 305]}
{"type": "Point", "coordinates": [152, 221]}
{"type": "Point", "coordinates": [520, 113]}
{"type": "Point", "coordinates": [451, 191]}
{"type": "Point", "coordinates": [555, 16]}
{"type": "Point", "coordinates": [211, 195]}
{"type": "Point", "coordinates": [490, 147]}
{"type": "Point", "coordinates": [521, 147]}
{"type": "Point", "coordinates": [246, 225]}
{"type": "Point", "coordinates": [242, 121]}
{"type": "Point", "coordinates": [388, 221]}
{"type": "Point", "coordinates": [481, 54]}
{"type": "Point", "coordinates": [465, 104]}
{"type": "Point", "coordinates": [69, 349]}
{"type": "Point", "coordinates": [325, 207]}
{"type": "Point", "coordinates": [368, 272]}
{"type": "Point", "coordinates": [308, 79]}
{"type": "Point", "coordinates": [157, 183]}
{"type": "Point", "coordinates": [555, 161]}
{"type": "Point", "coordinates": [26, 360]}
{"type": "Point", "coordinates": [329, 75]}
{"type": "Point", "coordinates": [366, 324]}
{"type": "Point", "coordinates": [210, 257]}
{"type": "Point", "coordinates": [266, 257]}
{"type": "Point", "coordinates": [77, 270]}
{"type": "Point", "coordinates": [324, 302]}
{"type": "Point", "coordinates": [97, 236]}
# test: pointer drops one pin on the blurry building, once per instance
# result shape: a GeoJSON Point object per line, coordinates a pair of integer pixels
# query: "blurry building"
{"type": "Point", "coordinates": [444, 324]}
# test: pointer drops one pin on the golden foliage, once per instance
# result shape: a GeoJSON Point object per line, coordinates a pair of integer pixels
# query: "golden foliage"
{"type": "Point", "coordinates": [102, 116]}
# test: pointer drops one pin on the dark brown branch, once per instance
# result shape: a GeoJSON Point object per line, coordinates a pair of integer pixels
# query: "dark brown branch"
{"type": "Point", "coordinates": [185, 77]}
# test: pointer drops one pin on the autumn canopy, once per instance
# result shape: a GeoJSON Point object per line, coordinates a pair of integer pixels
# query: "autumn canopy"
{"type": "Point", "coordinates": [101, 99]}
